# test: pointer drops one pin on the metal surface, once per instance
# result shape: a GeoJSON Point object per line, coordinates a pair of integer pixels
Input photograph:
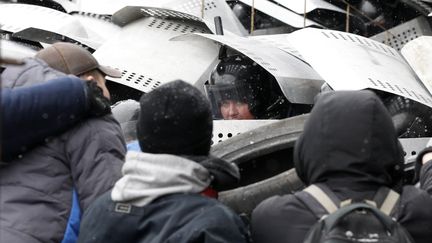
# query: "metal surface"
{"type": "Point", "coordinates": [69, 6]}
{"type": "Point", "coordinates": [212, 8]}
{"type": "Point", "coordinates": [418, 53]}
{"type": "Point", "coordinates": [147, 57]}
{"type": "Point", "coordinates": [99, 27]}
{"type": "Point", "coordinates": [412, 146]}
{"type": "Point", "coordinates": [351, 62]}
{"type": "Point", "coordinates": [14, 51]}
{"type": "Point", "coordinates": [129, 14]}
{"type": "Point", "coordinates": [280, 41]}
{"type": "Point", "coordinates": [298, 6]}
{"type": "Point", "coordinates": [298, 81]}
{"type": "Point", "coordinates": [398, 36]}
{"type": "Point", "coordinates": [111, 6]}
{"type": "Point", "coordinates": [187, 10]}
{"type": "Point", "coordinates": [44, 36]}
{"type": "Point", "coordinates": [282, 14]}
{"type": "Point", "coordinates": [225, 129]}
{"type": "Point", "coordinates": [18, 17]}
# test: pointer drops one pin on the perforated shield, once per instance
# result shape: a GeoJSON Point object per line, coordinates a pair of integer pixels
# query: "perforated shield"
{"type": "Point", "coordinates": [298, 81]}
{"type": "Point", "coordinates": [310, 5]}
{"type": "Point", "coordinates": [16, 18]}
{"type": "Point", "coordinates": [351, 62]}
{"type": "Point", "coordinates": [147, 57]}
{"type": "Point", "coordinates": [282, 14]}
{"type": "Point", "coordinates": [398, 36]}
{"type": "Point", "coordinates": [418, 54]}
{"type": "Point", "coordinates": [187, 10]}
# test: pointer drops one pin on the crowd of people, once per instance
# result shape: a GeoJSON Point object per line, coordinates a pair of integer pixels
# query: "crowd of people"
{"type": "Point", "coordinates": [72, 170]}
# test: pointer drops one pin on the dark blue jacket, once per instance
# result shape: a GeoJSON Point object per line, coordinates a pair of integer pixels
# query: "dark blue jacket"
{"type": "Point", "coordinates": [31, 114]}
{"type": "Point", "coordinates": [176, 218]}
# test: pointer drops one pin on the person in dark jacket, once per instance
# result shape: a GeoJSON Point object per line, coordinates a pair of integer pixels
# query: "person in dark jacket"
{"type": "Point", "coordinates": [61, 103]}
{"type": "Point", "coordinates": [38, 189]}
{"type": "Point", "coordinates": [350, 145]}
{"type": "Point", "coordinates": [165, 194]}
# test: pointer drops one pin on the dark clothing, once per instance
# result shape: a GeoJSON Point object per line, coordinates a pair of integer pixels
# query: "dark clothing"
{"type": "Point", "coordinates": [36, 189]}
{"type": "Point", "coordinates": [31, 114]}
{"type": "Point", "coordinates": [162, 192]}
{"type": "Point", "coordinates": [177, 218]}
{"type": "Point", "coordinates": [349, 144]}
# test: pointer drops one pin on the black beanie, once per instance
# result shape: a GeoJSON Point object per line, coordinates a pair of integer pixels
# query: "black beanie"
{"type": "Point", "coordinates": [175, 118]}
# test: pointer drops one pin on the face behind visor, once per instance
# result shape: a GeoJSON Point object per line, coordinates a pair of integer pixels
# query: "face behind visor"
{"type": "Point", "coordinates": [238, 80]}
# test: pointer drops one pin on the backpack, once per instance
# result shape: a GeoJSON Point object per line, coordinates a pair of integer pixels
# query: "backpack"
{"type": "Point", "coordinates": [348, 221]}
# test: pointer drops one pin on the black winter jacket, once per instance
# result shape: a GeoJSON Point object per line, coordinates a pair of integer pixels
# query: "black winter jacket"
{"type": "Point", "coordinates": [349, 143]}
{"type": "Point", "coordinates": [157, 201]}
{"type": "Point", "coordinates": [177, 218]}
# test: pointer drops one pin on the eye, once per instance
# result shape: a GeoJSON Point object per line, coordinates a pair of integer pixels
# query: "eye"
{"type": "Point", "coordinates": [225, 104]}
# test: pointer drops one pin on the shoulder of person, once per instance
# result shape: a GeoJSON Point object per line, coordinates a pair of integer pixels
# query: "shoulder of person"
{"type": "Point", "coordinates": [413, 198]}
{"type": "Point", "coordinates": [94, 125]}
{"type": "Point", "coordinates": [105, 129]}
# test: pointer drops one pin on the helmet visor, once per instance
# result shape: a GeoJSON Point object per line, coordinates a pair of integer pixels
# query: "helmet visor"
{"type": "Point", "coordinates": [218, 94]}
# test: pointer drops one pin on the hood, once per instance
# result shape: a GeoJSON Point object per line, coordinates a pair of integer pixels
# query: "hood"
{"type": "Point", "coordinates": [349, 141]}
{"type": "Point", "coordinates": [33, 71]}
{"type": "Point", "coordinates": [149, 176]}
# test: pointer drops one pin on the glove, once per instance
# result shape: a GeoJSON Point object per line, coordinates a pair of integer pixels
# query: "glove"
{"type": "Point", "coordinates": [225, 175]}
{"type": "Point", "coordinates": [97, 103]}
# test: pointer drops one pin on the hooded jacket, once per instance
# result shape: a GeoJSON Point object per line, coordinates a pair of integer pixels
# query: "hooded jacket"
{"type": "Point", "coordinates": [349, 143]}
{"type": "Point", "coordinates": [36, 189]}
{"type": "Point", "coordinates": [158, 200]}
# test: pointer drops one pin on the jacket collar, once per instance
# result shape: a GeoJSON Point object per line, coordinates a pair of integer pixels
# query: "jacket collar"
{"type": "Point", "coordinates": [149, 176]}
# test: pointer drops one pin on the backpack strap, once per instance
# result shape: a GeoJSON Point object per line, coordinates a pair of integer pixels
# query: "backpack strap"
{"type": "Point", "coordinates": [323, 198]}
{"type": "Point", "coordinates": [386, 199]}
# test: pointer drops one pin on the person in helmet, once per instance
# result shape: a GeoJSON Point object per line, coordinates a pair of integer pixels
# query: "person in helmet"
{"type": "Point", "coordinates": [241, 89]}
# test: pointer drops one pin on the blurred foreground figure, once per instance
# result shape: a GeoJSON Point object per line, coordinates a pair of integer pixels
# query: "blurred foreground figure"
{"type": "Point", "coordinates": [349, 148]}
{"type": "Point", "coordinates": [126, 113]}
{"type": "Point", "coordinates": [61, 103]}
{"type": "Point", "coordinates": [165, 194]}
{"type": "Point", "coordinates": [43, 190]}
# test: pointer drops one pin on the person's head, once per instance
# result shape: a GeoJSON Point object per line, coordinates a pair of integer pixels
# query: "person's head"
{"type": "Point", "coordinates": [349, 141]}
{"type": "Point", "coordinates": [69, 58]}
{"type": "Point", "coordinates": [175, 118]}
{"type": "Point", "coordinates": [239, 89]}
{"type": "Point", "coordinates": [126, 113]}
{"type": "Point", "coordinates": [235, 110]}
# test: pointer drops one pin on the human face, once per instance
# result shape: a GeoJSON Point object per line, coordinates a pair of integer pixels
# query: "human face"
{"type": "Point", "coordinates": [99, 78]}
{"type": "Point", "coordinates": [235, 110]}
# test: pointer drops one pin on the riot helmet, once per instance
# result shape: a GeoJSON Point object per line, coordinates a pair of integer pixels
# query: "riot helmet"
{"type": "Point", "coordinates": [240, 80]}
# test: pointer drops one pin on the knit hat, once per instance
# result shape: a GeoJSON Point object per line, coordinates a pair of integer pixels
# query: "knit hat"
{"type": "Point", "coordinates": [69, 58]}
{"type": "Point", "coordinates": [175, 118]}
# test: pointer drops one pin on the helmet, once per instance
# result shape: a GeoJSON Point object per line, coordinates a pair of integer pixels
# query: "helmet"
{"type": "Point", "coordinates": [238, 78]}
{"type": "Point", "coordinates": [411, 119]}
